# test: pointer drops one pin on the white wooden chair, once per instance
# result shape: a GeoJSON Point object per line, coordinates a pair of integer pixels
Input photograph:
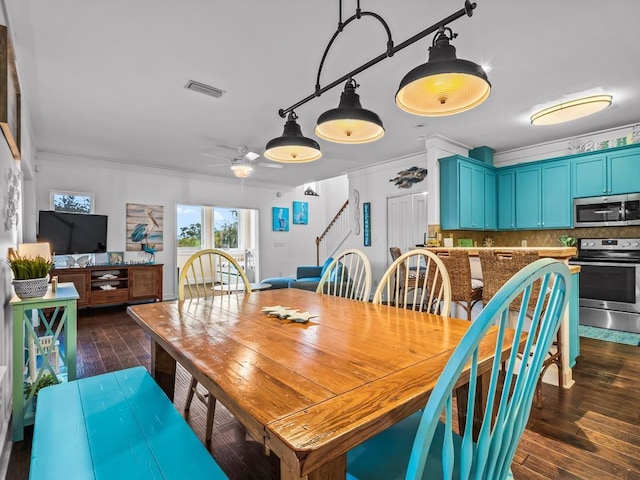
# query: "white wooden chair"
{"type": "Point", "coordinates": [348, 276]}
{"type": "Point", "coordinates": [418, 280]}
{"type": "Point", "coordinates": [209, 273]}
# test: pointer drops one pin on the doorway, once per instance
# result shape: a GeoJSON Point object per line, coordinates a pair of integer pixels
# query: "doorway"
{"type": "Point", "coordinates": [234, 230]}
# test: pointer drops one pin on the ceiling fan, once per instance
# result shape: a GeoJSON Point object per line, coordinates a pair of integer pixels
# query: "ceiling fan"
{"type": "Point", "coordinates": [243, 163]}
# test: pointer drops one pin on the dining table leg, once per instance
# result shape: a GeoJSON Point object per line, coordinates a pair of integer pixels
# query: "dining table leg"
{"type": "Point", "coordinates": [163, 369]}
{"type": "Point", "coordinates": [336, 469]}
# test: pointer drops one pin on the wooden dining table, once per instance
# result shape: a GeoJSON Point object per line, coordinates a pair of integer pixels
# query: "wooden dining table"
{"type": "Point", "coordinates": [308, 391]}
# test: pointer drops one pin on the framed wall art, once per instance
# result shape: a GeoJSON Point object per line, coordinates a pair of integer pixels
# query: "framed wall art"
{"type": "Point", "coordinates": [280, 219]}
{"type": "Point", "coordinates": [301, 213]}
{"type": "Point", "coordinates": [9, 94]}
{"type": "Point", "coordinates": [144, 227]}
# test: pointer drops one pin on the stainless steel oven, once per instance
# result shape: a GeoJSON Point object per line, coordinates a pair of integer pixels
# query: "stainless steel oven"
{"type": "Point", "coordinates": [610, 283]}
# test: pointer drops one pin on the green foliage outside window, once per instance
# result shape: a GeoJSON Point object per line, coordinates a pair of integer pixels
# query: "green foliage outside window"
{"type": "Point", "coordinates": [226, 234]}
{"type": "Point", "coordinates": [71, 203]}
{"type": "Point", "coordinates": [190, 236]}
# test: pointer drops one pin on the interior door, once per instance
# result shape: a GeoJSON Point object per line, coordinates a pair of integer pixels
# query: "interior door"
{"type": "Point", "coordinates": [406, 221]}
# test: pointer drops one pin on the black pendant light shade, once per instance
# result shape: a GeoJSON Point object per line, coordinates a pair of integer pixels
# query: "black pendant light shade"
{"type": "Point", "coordinates": [349, 123]}
{"type": "Point", "coordinates": [292, 146]}
{"type": "Point", "coordinates": [445, 84]}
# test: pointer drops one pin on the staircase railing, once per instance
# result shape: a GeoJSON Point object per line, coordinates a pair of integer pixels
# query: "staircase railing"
{"type": "Point", "coordinates": [335, 233]}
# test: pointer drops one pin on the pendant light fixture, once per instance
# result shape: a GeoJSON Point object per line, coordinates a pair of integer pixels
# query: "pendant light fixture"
{"type": "Point", "coordinates": [292, 146]}
{"type": "Point", "coordinates": [349, 123]}
{"type": "Point", "coordinates": [572, 110]}
{"type": "Point", "coordinates": [445, 84]}
{"type": "Point", "coordinates": [452, 86]}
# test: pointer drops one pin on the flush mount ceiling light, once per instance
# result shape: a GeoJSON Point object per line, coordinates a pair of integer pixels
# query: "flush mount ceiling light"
{"type": "Point", "coordinates": [350, 123]}
{"type": "Point", "coordinates": [572, 110]}
{"type": "Point", "coordinates": [445, 84]}
{"type": "Point", "coordinates": [292, 146]}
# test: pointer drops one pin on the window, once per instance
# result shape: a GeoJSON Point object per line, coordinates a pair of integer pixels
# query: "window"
{"type": "Point", "coordinates": [71, 202]}
{"type": "Point", "coordinates": [189, 222]}
{"type": "Point", "coordinates": [225, 228]}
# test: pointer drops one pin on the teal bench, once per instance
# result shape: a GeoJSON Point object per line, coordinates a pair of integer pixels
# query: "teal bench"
{"type": "Point", "coordinates": [119, 425]}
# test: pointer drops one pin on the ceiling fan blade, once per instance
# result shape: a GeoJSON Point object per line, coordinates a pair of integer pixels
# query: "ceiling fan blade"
{"type": "Point", "coordinates": [228, 160]}
{"type": "Point", "coordinates": [269, 165]}
{"type": "Point", "coordinates": [228, 147]}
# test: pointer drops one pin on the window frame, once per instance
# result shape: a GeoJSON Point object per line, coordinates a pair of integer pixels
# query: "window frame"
{"type": "Point", "coordinates": [54, 193]}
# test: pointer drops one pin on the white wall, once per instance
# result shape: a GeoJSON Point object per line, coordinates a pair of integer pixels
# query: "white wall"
{"type": "Point", "coordinates": [114, 185]}
{"type": "Point", "coordinates": [374, 187]}
{"type": "Point", "coordinates": [10, 236]}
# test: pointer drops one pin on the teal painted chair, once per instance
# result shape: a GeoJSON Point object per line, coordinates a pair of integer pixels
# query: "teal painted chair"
{"type": "Point", "coordinates": [429, 444]}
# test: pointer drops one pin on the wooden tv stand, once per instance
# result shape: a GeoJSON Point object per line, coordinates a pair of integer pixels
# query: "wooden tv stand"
{"type": "Point", "coordinates": [111, 284]}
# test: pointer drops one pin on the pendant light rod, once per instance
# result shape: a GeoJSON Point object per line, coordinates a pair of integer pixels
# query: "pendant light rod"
{"type": "Point", "coordinates": [391, 50]}
{"type": "Point", "coordinates": [341, 26]}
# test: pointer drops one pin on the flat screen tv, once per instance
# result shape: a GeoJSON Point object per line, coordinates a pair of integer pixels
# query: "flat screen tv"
{"type": "Point", "coordinates": [69, 233]}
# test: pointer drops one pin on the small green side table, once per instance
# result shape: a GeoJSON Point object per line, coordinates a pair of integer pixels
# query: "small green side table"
{"type": "Point", "coordinates": [55, 347]}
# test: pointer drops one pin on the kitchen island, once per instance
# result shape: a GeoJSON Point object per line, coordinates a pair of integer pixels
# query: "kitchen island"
{"type": "Point", "coordinates": [569, 326]}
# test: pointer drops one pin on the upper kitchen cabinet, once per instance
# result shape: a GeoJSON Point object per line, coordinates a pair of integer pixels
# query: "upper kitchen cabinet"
{"type": "Point", "coordinates": [607, 174]}
{"type": "Point", "coordinates": [543, 195]}
{"type": "Point", "coordinates": [467, 194]}
{"type": "Point", "coordinates": [506, 199]}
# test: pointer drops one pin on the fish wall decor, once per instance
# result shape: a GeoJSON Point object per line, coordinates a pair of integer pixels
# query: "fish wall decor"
{"type": "Point", "coordinates": [406, 178]}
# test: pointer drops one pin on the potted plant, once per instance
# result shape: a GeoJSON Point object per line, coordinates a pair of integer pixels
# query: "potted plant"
{"type": "Point", "coordinates": [46, 381]}
{"type": "Point", "coordinates": [30, 275]}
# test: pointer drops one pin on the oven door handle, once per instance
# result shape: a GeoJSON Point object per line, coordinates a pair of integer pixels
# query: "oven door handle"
{"type": "Point", "coordinates": [604, 264]}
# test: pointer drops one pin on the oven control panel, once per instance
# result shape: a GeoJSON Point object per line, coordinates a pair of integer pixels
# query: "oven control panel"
{"type": "Point", "coordinates": [610, 244]}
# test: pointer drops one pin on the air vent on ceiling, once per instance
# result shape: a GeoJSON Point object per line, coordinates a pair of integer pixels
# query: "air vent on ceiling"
{"type": "Point", "coordinates": [203, 88]}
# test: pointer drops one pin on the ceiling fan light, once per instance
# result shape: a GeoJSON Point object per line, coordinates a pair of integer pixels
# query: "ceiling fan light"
{"type": "Point", "coordinates": [241, 170]}
{"type": "Point", "coordinates": [572, 110]}
{"type": "Point", "coordinates": [349, 123]}
{"type": "Point", "coordinates": [292, 146]}
{"type": "Point", "coordinates": [445, 85]}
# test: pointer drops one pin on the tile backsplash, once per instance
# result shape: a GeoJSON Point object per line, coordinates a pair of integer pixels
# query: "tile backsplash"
{"type": "Point", "coordinates": [540, 238]}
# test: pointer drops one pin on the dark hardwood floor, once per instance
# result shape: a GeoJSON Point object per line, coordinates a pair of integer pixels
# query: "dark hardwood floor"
{"type": "Point", "coordinates": [591, 431]}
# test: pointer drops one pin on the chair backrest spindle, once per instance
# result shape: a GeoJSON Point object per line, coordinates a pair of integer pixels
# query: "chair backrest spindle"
{"type": "Point", "coordinates": [348, 276]}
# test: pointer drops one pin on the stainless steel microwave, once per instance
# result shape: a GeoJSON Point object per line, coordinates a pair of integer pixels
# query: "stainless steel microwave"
{"type": "Point", "coordinates": [614, 210]}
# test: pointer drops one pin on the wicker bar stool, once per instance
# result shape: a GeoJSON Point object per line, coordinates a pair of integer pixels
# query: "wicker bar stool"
{"type": "Point", "coordinates": [465, 290]}
{"type": "Point", "coordinates": [498, 266]}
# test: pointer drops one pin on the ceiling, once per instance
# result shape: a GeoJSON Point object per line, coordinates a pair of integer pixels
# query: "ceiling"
{"type": "Point", "coordinates": [105, 80]}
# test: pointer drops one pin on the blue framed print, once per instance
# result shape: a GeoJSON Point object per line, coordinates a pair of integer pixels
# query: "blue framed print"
{"type": "Point", "coordinates": [300, 213]}
{"type": "Point", "coordinates": [280, 219]}
{"type": "Point", "coordinates": [366, 223]}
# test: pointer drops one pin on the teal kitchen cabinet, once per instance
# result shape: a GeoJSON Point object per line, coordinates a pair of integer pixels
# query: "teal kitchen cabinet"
{"type": "Point", "coordinates": [490, 200]}
{"type": "Point", "coordinates": [590, 176]}
{"type": "Point", "coordinates": [506, 199]}
{"type": "Point", "coordinates": [607, 174]}
{"type": "Point", "coordinates": [528, 191]}
{"type": "Point", "coordinates": [623, 171]}
{"type": "Point", "coordinates": [543, 195]}
{"type": "Point", "coordinates": [467, 194]}
{"type": "Point", "coordinates": [557, 204]}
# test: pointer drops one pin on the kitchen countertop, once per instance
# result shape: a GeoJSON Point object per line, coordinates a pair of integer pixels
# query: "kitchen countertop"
{"type": "Point", "coordinates": [561, 253]}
